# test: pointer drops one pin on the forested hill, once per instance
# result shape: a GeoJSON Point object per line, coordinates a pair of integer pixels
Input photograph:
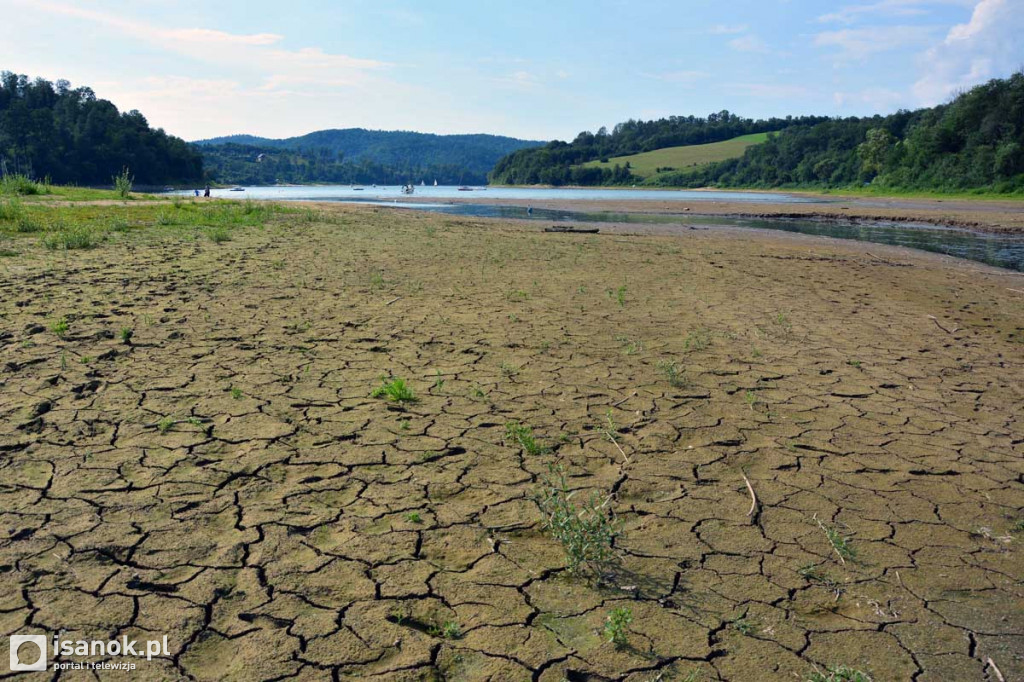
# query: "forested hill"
{"type": "Point", "coordinates": [558, 163]}
{"type": "Point", "coordinates": [357, 155]}
{"type": "Point", "coordinates": [975, 142]}
{"type": "Point", "coordinates": [50, 129]}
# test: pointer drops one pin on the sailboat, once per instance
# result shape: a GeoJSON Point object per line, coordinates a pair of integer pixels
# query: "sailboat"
{"type": "Point", "coordinates": [435, 182]}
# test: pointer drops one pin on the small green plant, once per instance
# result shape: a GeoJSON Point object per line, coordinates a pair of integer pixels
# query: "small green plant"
{"type": "Point", "coordinates": [509, 370]}
{"type": "Point", "coordinates": [450, 630]}
{"type": "Point", "coordinates": [620, 296]}
{"type": "Point", "coordinates": [218, 234]}
{"type": "Point", "coordinates": [1017, 527]}
{"type": "Point", "coordinates": [670, 370]}
{"type": "Point", "coordinates": [522, 435]}
{"type": "Point", "coordinates": [840, 673]}
{"type": "Point", "coordinates": [853, 363]}
{"type": "Point", "coordinates": [60, 327]}
{"type": "Point", "coordinates": [63, 361]}
{"type": "Point", "coordinates": [126, 335]}
{"type": "Point", "coordinates": [781, 320]}
{"type": "Point", "coordinates": [165, 424]}
{"type": "Point", "coordinates": [377, 279]}
{"type": "Point", "coordinates": [414, 517]}
{"type": "Point", "coordinates": [744, 626]}
{"type": "Point", "coordinates": [616, 626]}
{"type": "Point", "coordinates": [236, 393]}
{"type": "Point", "coordinates": [395, 390]}
{"type": "Point", "coordinates": [841, 544]}
{"type": "Point", "coordinates": [698, 339]}
{"type": "Point", "coordinates": [69, 238]}
{"type": "Point", "coordinates": [86, 359]}
{"type": "Point", "coordinates": [119, 225]}
{"type": "Point", "coordinates": [585, 531]}
{"type": "Point", "coordinates": [123, 183]}
{"type": "Point", "coordinates": [403, 424]}
{"type": "Point", "coordinates": [11, 209]}
{"type": "Point", "coordinates": [14, 183]}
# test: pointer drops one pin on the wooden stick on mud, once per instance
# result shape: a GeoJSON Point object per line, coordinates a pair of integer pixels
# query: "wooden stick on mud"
{"type": "Point", "coordinates": [398, 298]}
{"type": "Point", "coordinates": [936, 321]}
{"type": "Point", "coordinates": [753, 497]}
{"type": "Point", "coordinates": [631, 395]}
{"type": "Point", "coordinates": [995, 669]}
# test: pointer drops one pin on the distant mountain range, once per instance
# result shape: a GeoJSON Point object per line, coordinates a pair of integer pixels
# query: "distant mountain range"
{"type": "Point", "coordinates": [357, 155]}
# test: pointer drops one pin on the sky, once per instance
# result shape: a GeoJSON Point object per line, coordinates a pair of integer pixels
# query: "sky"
{"type": "Point", "coordinates": [534, 69]}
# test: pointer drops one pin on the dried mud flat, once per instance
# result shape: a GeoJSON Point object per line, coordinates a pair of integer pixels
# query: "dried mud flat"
{"type": "Point", "coordinates": [226, 478]}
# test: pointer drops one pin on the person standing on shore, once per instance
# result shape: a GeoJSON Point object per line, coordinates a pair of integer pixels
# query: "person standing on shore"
{"type": "Point", "coordinates": [207, 192]}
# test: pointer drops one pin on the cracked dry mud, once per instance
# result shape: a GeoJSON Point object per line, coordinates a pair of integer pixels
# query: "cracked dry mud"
{"type": "Point", "coordinates": [296, 528]}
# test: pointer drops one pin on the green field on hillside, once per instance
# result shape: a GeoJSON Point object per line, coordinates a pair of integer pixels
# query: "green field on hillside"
{"type": "Point", "coordinates": [682, 158]}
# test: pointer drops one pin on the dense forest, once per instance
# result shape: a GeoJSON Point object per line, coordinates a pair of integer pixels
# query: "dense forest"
{"type": "Point", "coordinates": [244, 164]}
{"type": "Point", "coordinates": [357, 155]}
{"type": "Point", "coordinates": [976, 141]}
{"type": "Point", "coordinates": [557, 163]}
{"type": "Point", "coordinates": [51, 130]}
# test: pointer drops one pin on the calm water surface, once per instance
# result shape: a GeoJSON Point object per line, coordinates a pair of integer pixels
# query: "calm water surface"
{"type": "Point", "coordinates": [1005, 251]}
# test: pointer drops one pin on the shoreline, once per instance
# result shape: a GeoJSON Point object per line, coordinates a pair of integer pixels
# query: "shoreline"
{"type": "Point", "coordinates": [989, 217]}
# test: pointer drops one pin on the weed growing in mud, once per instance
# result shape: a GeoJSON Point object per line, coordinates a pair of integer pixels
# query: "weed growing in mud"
{"type": "Point", "coordinates": [586, 531]}
{"type": "Point", "coordinates": [395, 390]}
{"type": "Point", "coordinates": [508, 370]}
{"type": "Point", "coordinates": [616, 626]}
{"type": "Point", "coordinates": [60, 327]}
{"type": "Point", "coordinates": [70, 238]}
{"type": "Point", "coordinates": [414, 517]}
{"type": "Point", "coordinates": [620, 295]}
{"type": "Point", "coordinates": [236, 393]}
{"type": "Point", "coordinates": [781, 320]}
{"type": "Point", "coordinates": [448, 630]}
{"type": "Point", "coordinates": [126, 335]}
{"type": "Point", "coordinates": [698, 339]}
{"type": "Point", "coordinates": [377, 279]}
{"type": "Point", "coordinates": [439, 381]}
{"type": "Point", "coordinates": [123, 183]}
{"type": "Point", "coordinates": [522, 435]}
{"type": "Point", "coordinates": [670, 370]}
{"type": "Point", "coordinates": [744, 626]}
{"type": "Point", "coordinates": [840, 673]}
{"type": "Point", "coordinates": [165, 424]}
{"type": "Point", "coordinates": [11, 210]}
{"type": "Point", "coordinates": [218, 235]}
{"type": "Point", "coordinates": [630, 346]}
{"type": "Point", "coordinates": [840, 543]}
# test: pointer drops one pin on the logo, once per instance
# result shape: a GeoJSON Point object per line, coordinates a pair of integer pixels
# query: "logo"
{"type": "Point", "coordinates": [17, 641]}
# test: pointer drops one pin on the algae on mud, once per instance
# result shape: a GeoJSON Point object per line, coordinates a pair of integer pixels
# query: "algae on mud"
{"type": "Point", "coordinates": [226, 478]}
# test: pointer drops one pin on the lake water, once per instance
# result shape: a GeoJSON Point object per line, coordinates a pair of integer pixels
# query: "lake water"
{"type": "Point", "coordinates": [1005, 251]}
{"type": "Point", "coordinates": [368, 192]}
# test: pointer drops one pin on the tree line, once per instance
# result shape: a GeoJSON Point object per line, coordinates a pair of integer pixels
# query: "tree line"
{"type": "Point", "coordinates": [559, 163]}
{"type": "Point", "coordinates": [974, 142]}
{"type": "Point", "coordinates": [72, 137]}
{"type": "Point", "coordinates": [244, 164]}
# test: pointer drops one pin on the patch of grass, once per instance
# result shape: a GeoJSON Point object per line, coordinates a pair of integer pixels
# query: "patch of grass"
{"type": "Point", "coordinates": [450, 630]}
{"type": "Point", "coordinates": [840, 673]}
{"type": "Point", "coordinates": [165, 424]}
{"type": "Point", "coordinates": [218, 234]}
{"type": "Point", "coordinates": [744, 626]}
{"type": "Point", "coordinates": [698, 339]}
{"type": "Point", "coordinates": [11, 209]}
{"type": "Point", "coordinates": [395, 390]}
{"type": "Point", "coordinates": [20, 185]}
{"type": "Point", "coordinates": [616, 626]}
{"type": "Point", "coordinates": [522, 435]}
{"type": "Point", "coordinates": [236, 393]}
{"type": "Point", "coordinates": [586, 531]}
{"type": "Point", "coordinates": [27, 224]}
{"type": "Point", "coordinates": [630, 346]}
{"type": "Point", "coordinates": [781, 320]}
{"type": "Point", "coordinates": [841, 544]}
{"type": "Point", "coordinates": [670, 370]}
{"type": "Point", "coordinates": [126, 335]}
{"type": "Point", "coordinates": [60, 327]}
{"type": "Point", "coordinates": [682, 158]}
{"type": "Point", "coordinates": [509, 370]}
{"type": "Point", "coordinates": [70, 238]}
{"type": "Point", "coordinates": [620, 296]}
{"type": "Point", "coordinates": [414, 517]}
{"type": "Point", "coordinates": [118, 225]}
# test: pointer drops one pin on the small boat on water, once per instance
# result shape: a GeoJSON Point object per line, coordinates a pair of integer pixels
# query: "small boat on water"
{"type": "Point", "coordinates": [408, 189]}
{"type": "Point", "coordinates": [358, 189]}
{"type": "Point", "coordinates": [435, 183]}
{"type": "Point", "coordinates": [465, 189]}
{"type": "Point", "coordinates": [237, 189]}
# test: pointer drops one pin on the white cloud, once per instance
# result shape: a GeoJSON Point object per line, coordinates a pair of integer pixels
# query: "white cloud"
{"type": "Point", "coordinates": [892, 8]}
{"type": "Point", "coordinates": [768, 91]}
{"type": "Point", "coordinates": [860, 43]}
{"type": "Point", "coordinates": [988, 46]}
{"type": "Point", "coordinates": [680, 77]}
{"type": "Point", "coordinates": [749, 43]}
{"type": "Point", "coordinates": [728, 29]}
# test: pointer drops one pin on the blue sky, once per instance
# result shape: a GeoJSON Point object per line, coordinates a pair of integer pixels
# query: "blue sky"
{"type": "Point", "coordinates": [540, 70]}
